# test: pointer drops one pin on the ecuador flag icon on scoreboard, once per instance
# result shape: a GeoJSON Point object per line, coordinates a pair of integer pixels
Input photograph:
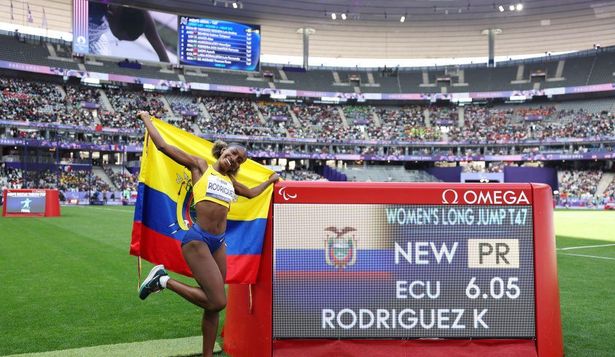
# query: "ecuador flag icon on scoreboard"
{"type": "Point", "coordinates": [164, 211]}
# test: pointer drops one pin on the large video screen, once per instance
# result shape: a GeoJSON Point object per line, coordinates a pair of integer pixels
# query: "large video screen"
{"type": "Point", "coordinates": [403, 271]}
{"type": "Point", "coordinates": [219, 44]}
{"type": "Point", "coordinates": [105, 29]}
{"type": "Point", "coordinates": [25, 202]}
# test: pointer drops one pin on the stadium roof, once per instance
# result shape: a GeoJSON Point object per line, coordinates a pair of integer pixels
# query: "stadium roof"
{"type": "Point", "coordinates": [432, 28]}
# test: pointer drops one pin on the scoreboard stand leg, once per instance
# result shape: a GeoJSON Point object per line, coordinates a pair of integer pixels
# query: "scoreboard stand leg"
{"type": "Point", "coordinates": [549, 340]}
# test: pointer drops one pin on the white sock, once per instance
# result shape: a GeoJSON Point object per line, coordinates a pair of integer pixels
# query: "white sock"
{"type": "Point", "coordinates": [163, 281]}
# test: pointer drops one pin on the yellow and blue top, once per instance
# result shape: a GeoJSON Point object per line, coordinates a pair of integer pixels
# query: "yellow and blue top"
{"type": "Point", "coordinates": [215, 187]}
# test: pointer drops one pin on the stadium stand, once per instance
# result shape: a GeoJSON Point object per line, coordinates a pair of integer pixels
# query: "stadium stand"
{"type": "Point", "coordinates": [388, 83]}
{"type": "Point", "coordinates": [51, 103]}
{"type": "Point", "coordinates": [81, 181]}
{"type": "Point", "coordinates": [10, 177]}
{"type": "Point", "coordinates": [609, 192]}
{"type": "Point", "coordinates": [121, 178]}
{"type": "Point", "coordinates": [602, 68]}
{"type": "Point", "coordinates": [316, 80]}
{"type": "Point", "coordinates": [579, 186]}
{"type": "Point", "coordinates": [301, 175]}
{"type": "Point", "coordinates": [233, 116]}
{"type": "Point", "coordinates": [186, 110]}
{"type": "Point", "coordinates": [22, 50]}
{"type": "Point", "coordinates": [594, 106]}
{"type": "Point", "coordinates": [125, 103]}
{"type": "Point", "coordinates": [380, 173]}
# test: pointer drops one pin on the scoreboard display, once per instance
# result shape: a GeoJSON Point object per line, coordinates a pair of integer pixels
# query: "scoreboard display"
{"type": "Point", "coordinates": [425, 269]}
{"type": "Point", "coordinates": [26, 202]}
{"type": "Point", "coordinates": [403, 271]}
{"type": "Point", "coordinates": [218, 44]}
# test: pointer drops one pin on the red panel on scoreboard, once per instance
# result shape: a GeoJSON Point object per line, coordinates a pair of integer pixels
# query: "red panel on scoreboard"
{"type": "Point", "coordinates": [422, 348]}
{"type": "Point", "coordinates": [403, 193]}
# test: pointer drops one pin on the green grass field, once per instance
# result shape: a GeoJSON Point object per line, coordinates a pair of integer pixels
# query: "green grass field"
{"type": "Point", "coordinates": [69, 283]}
{"type": "Point", "coordinates": [587, 285]}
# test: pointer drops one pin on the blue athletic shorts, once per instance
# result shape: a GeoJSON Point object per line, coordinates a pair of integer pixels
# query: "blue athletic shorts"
{"type": "Point", "coordinates": [197, 233]}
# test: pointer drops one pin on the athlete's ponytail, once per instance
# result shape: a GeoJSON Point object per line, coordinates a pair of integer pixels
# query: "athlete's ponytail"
{"type": "Point", "coordinates": [219, 146]}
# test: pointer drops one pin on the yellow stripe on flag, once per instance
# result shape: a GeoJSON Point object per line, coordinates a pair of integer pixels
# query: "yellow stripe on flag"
{"type": "Point", "coordinates": [161, 173]}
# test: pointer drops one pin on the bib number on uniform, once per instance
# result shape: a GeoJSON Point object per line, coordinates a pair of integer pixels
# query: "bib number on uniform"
{"type": "Point", "coordinates": [220, 189]}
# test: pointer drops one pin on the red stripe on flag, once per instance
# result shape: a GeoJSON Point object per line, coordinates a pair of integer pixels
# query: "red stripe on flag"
{"type": "Point", "coordinates": [242, 269]}
{"type": "Point", "coordinates": [157, 248]}
{"type": "Point", "coordinates": [135, 242]}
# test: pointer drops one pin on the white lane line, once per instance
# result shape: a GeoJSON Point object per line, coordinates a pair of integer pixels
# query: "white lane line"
{"type": "Point", "coordinates": [187, 346]}
{"type": "Point", "coordinates": [587, 246]}
{"type": "Point", "coordinates": [588, 256]}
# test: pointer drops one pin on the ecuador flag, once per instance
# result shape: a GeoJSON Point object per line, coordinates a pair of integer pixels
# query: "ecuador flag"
{"type": "Point", "coordinates": [164, 211]}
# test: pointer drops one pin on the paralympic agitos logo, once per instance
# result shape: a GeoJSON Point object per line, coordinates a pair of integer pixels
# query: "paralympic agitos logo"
{"type": "Point", "coordinates": [287, 196]}
{"type": "Point", "coordinates": [483, 197]}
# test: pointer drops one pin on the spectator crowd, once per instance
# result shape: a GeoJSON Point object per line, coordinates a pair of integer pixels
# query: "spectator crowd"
{"type": "Point", "coordinates": [29, 101]}
{"type": "Point", "coordinates": [95, 108]}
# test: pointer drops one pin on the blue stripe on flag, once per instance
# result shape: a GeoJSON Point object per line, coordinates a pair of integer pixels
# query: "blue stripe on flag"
{"type": "Point", "coordinates": [245, 237]}
{"type": "Point", "coordinates": [139, 203]}
{"type": "Point", "coordinates": [158, 212]}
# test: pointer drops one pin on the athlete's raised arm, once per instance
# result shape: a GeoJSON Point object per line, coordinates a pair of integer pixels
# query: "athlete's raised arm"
{"type": "Point", "coordinates": [245, 191]}
{"type": "Point", "coordinates": [181, 157]}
